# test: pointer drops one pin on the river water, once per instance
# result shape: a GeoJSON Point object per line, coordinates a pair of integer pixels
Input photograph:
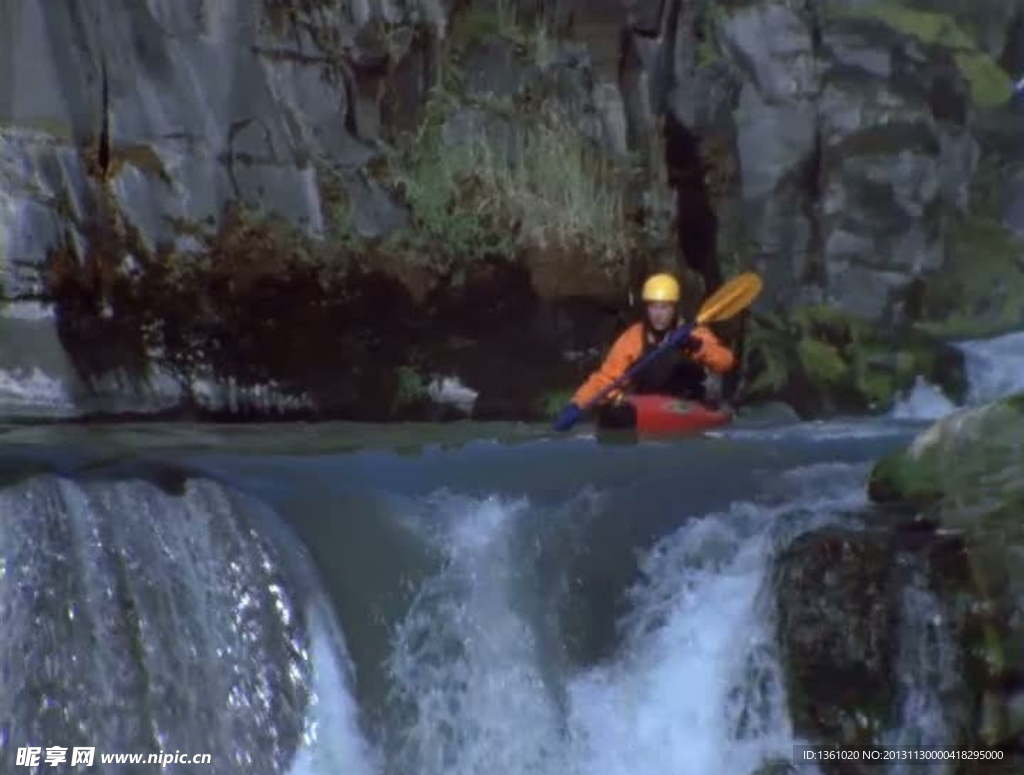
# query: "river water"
{"type": "Point", "coordinates": [426, 600]}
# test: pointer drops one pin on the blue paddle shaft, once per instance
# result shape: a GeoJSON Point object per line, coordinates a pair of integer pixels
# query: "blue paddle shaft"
{"type": "Point", "coordinates": [674, 339]}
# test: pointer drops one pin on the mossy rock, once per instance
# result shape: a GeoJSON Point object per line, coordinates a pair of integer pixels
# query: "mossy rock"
{"type": "Point", "coordinates": [980, 291]}
{"type": "Point", "coordinates": [969, 465]}
{"type": "Point", "coordinates": [966, 474]}
{"type": "Point", "coordinates": [821, 361]}
{"type": "Point", "coordinates": [990, 85]}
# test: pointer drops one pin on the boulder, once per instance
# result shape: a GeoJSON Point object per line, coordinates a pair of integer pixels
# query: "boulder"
{"type": "Point", "coordinates": [966, 475]}
{"type": "Point", "coordinates": [834, 627]}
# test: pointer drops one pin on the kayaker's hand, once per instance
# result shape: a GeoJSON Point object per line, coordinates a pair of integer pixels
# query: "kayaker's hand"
{"type": "Point", "coordinates": [567, 418]}
{"type": "Point", "coordinates": [692, 344]}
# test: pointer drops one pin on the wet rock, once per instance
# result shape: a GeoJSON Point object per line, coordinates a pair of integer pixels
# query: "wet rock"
{"type": "Point", "coordinates": [1013, 215]}
{"type": "Point", "coordinates": [966, 474]}
{"type": "Point", "coordinates": [835, 628]}
{"type": "Point", "coordinates": [968, 464]}
{"type": "Point", "coordinates": [882, 638]}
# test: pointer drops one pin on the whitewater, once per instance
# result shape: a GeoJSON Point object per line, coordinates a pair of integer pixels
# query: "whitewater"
{"type": "Point", "coordinates": [507, 605]}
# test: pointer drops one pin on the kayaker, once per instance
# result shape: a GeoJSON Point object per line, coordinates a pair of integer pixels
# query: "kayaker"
{"type": "Point", "coordinates": [677, 372]}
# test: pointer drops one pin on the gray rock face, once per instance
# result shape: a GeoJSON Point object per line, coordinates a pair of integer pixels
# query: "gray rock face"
{"type": "Point", "coordinates": [848, 133]}
{"type": "Point", "coordinates": [852, 143]}
{"type": "Point", "coordinates": [892, 162]}
{"type": "Point", "coordinates": [205, 103]}
{"type": "Point", "coordinates": [201, 110]}
{"type": "Point", "coordinates": [1013, 212]}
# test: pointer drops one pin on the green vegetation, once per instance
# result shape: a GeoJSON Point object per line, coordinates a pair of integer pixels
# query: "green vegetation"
{"type": "Point", "coordinates": [970, 463]}
{"type": "Point", "coordinates": [502, 19]}
{"type": "Point", "coordinates": [980, 291]}
{"type": "Point", "coordinates": [550, 404]}
{"type": "Point", "coordinates": [337, 209]}
{"type": "Point", "coordinates": [410, 389]}
{"type": "Point", "coordinates": [478, 22]}
{"type": "Point", "coordinates": [990, 85]}
{"type": "Point", "coordinates": [519, 182]}
{"type": "Point", "coordinates": [821, 360]}
{"type": "Point", "coordinates": [488, 176]}
{"type": "Point", "coordinates": [707, 53]}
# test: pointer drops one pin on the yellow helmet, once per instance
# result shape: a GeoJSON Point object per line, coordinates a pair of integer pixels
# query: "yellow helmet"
{"type": "Point", "coordinates": [661, 287]}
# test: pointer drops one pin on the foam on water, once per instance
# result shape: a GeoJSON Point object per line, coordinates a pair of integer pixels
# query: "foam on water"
{"type": "Point", "coordinates": [695, 686]}
{"type": "Point", "coordinates": [923, 402]}
{"type": "Point", "coordinates": [995, 368]}
{"type": "Point", "coordinates": [468, 684]}
{"type": "Point", "coordinates": [333, 742]}
{"type": "Point", "coordinates": [928, 674]}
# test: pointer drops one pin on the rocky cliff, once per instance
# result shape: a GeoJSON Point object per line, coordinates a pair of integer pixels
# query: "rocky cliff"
{"type": "Point", "coordinates": [380, 209]}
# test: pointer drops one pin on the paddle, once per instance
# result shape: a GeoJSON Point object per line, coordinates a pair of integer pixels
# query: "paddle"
{"type": "Point", "coordinates": [733, 297]}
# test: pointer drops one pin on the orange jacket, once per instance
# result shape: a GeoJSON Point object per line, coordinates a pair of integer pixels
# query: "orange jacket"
{"type": "Point", "coordinates": [629, 348]}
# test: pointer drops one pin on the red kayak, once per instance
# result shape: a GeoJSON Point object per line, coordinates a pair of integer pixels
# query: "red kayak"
{"type": "Point", "coordinates": [654, 415]}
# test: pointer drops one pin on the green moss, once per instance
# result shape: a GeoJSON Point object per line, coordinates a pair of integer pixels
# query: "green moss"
{"type": "Point", "coordinates": [474, 24]}
{"type": "Point", "coordinates": [980, 291]}
{"type": "Point", "coordinates": [478, 21]}
{"type": "Point", "coordinates": [821, 362]}
{"type": "Point", "coordinates": [552, 402]}
{"type": "Point", "coordinates": [410, 388]}
{"type": "Point", "coordinates": [970, 461]}
{"type": "Point", "coordinates": [927, 26]}
{"type": "Point", "coordinates": [768, 357]}
{"type": "Point", "coordinates": [897, 477]}
{"type": "Point", "coordinates": [990, 85]}
{"type": "Point", "coordinates": [878, 386]}
{"type": "Point", "coordinates": [707, 53]}
{"type": "Point", "coordinates": [1016, 402]}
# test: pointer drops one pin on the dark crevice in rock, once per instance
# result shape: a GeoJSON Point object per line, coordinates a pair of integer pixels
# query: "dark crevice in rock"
{"type": "Point", "coordinates": [1012, 57]}
{"type": "Point", "coordinates": [103, 152]}
{"type": "Point", "coordinates": [696, 221]}
{"type": "Point", "coordinates": [648, 23]}
{"type": "Point", "coordinates": [815, 274]}
{"type": "Point", "coordinates": [662, 78]}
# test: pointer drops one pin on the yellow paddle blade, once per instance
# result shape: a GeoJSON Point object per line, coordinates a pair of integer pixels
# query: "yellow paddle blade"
{"type": "Point", "coordinates": [733, 297]}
